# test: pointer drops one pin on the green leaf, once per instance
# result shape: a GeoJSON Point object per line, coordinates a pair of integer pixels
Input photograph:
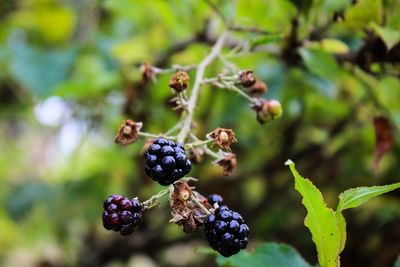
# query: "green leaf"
{"type": "Point", "coordinates": [320, 220]}
{"type": "Point", "coordinates": [363, 12]}
{"type": "Point", "coordinates": [354, 197]}
{"type": "Point", "coordinates": [320, 63]}
{"type": "Point", "coordinates": [267, 39]}
{"type": "Point", "coordinates": [40, 71]}
{"type": "Point", "coordinates": [390, 36]}
{"type": "Point", "coordinates": [268, 254]}
{"type": "Point", "coordinates": [342, 226]}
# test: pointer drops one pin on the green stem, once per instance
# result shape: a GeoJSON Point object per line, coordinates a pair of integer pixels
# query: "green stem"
{"type": "Point", "coordinates": [155, 200]}
{"type": "Point", "coordinates": [233, 88]}
{"type": "Point", "coordinates": [149, 135]}
{"type": "Point", "coordinates": [198, 143]}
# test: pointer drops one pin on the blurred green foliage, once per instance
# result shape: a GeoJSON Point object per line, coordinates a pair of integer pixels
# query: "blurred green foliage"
{"type": "Point", "coordinates": [69, 75]}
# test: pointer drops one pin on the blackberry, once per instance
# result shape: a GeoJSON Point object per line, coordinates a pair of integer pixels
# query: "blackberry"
{"type": "Point", "coordinates": [226, 231]}
{"type": "Point", "coordinates": [214, 198]}
{"type": "Point", "coordinates": [122, 214]}
{"type": "Point", "coordinates": [166, 161]}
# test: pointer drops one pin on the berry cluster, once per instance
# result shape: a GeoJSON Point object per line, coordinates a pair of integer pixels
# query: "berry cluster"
{"type": "Point", "coordinates": [166, 161]}
{"type": "Point", "coordinates": [226, 231]}
{"type": "Point", "coordinates": [122, 214]}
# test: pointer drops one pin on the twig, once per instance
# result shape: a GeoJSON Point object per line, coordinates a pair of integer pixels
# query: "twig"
{"type": "Point", "coordinates": [234, 88]}
{"type": "Point", "coordinates": [149, 135]}
{"type": "Point", "coordinates": [198, 143]}
{"type": "Point", "coordinates": [155, 200]}
{"type": "Point", "coordinates": [191, 104]}
{"type": "Point", "coordinates": [205, 148]}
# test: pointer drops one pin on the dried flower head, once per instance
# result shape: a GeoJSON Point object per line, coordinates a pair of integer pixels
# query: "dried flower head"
{"type": "Point", "coordinates": [196, 155]}
{"type": "Point", "coordinates": [147, 72]}
{"type": "Point", "coordinates": [223, 138]}
{"type": "Point", "coordinates": [228, 163]}
{"type": "Point", "coordinates": [267, 110]}
{"type": "Point", "coordinates": [258, 89]}
{"type": "Point", "coordinates": [128, 132]}
{"type": "Point", "coordinates": [179, 81]}
{"type": "Point", "coordinates": [247, 78]}
{"type": "Point", "coordinates": [184, 212]}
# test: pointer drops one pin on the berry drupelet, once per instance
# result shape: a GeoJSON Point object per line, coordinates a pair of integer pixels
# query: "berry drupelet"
{"type": "Point", "coordinates": [214, 198]}
{"type": "Point", "coordinates": [226, 231]}
{"type": "Point", "coordinates": [122, 214]}
{"type": "Point", "coordinates": [166, 161]}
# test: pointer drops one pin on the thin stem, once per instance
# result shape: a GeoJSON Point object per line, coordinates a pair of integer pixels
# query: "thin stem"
{"type": "Point", "coordinates": [198, 143]}
{"type": "Point", "coordinates": [211, 153]}
{"type": "Point", "coordinates": [206, 149]}
{"type": "Point", "coordinates": [191, 104]}
{"type": "Point", "coordinates": [173, 69]}
{"type": "Point", "coordinates": [149, 135]}
{"type": "Point", "coordinates": [155, 200]}
{"type": "Point", "coordinates": [234, 88]}
{"type": "Point", "coordinates": [198, 203]}
{"type": "Point", "coordinates": [173, 129]}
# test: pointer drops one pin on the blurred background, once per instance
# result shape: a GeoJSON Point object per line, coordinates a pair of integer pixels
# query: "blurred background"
{"type": "Point", "coordinates": [69, 76]}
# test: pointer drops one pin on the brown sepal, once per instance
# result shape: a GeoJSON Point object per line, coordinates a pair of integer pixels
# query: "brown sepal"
{"type": "Point", "coordinates": [247, 78]}
{"type": "Point", "coordinates": [228, 163]}
{"type": "Point", "coordinates": [179, 81]}
{"type": "Point", "coordinates": [223, 138]}
{"type": "Point", "coordinates": [128, 132]}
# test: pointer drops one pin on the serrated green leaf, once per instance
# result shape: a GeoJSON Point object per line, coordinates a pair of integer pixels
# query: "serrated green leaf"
{"type": "Point", "coordinates": [390, 36]}
{"type": "Point", "coordinates": [320, 220]}
{"type": "Point", "coordinates": [354, 197]}
{"type": "Point", "coordinates": [268, 254]}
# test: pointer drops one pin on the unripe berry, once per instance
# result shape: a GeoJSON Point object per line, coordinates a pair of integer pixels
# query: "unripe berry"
{"type": "Point", "coordinates": [275, 108]}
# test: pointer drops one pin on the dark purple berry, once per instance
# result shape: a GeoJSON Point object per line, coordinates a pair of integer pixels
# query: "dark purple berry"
{"type": "Point", "coordinates": [154, 148]}
{"type": "Point", "coordinates": [157, 172]}
{"type": "Point", "coordinates": [166, 162]}
{"type": "Point", "coordinates": [151, 160]}
{"type": "Point", "coordinates": [180, 159]}
{"type": "Point", "coordinates": [167, 150]}
{"type": "Point", "coordinates": [121, 214]}
{"type": "Point", "coordinates": [226, 232]}
{"type": "Point", "coordinates": [125, 204]}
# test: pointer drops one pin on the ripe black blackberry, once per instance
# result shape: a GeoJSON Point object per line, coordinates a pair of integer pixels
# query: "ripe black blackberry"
{"type": "Point", "coordinates": [122, 214]}
{"type": "Point", "coordinates": [226, 231]}
{"type": "Point", "coordinates": [214, 198]}
{"type": "Point", "coordinates": [166, 161]}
